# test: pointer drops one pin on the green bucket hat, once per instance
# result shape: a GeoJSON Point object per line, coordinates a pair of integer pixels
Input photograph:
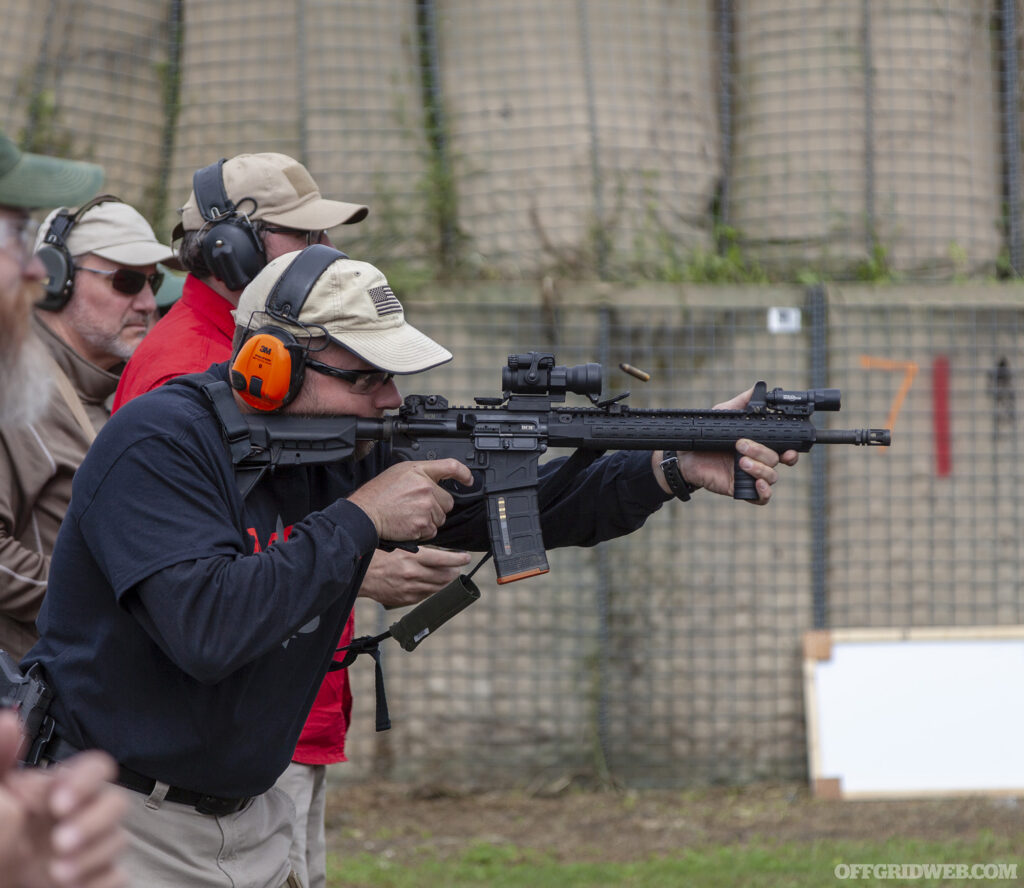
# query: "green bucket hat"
{"type": "Point", "coordinates": [30, 181]}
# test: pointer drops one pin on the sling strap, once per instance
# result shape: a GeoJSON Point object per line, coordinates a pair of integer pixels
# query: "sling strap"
{"type": "Point", "coordinates": [74, 402]}
{"type": "Point", "coordinates": [429, 614]}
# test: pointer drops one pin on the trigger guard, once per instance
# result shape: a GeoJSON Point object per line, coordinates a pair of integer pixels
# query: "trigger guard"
{"type": "Point", "coordinates": [460, 493]}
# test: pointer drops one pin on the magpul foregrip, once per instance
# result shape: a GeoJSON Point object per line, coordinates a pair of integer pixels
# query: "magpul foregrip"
{"type": "Point", "coordinates": [433, 612]}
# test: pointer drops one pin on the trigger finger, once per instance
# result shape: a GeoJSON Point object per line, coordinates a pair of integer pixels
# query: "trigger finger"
{"type": "Point", "coordinates": [444, 499]}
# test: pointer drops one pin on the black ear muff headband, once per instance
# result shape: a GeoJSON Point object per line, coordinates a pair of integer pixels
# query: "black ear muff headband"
{"type": "Point", "coordinates": [211, 198]}
{"type": "Point", "coordinates": [270, 365]}
{"type": "Point", "coordinates": [299, 279]}
{"type": "Point", "coordinates": [56, 258]}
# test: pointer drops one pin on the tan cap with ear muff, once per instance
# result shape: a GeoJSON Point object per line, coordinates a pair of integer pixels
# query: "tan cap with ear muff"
{"type": "Point", "coordinates": [231, 248]}
{"type": "Point", "coordinates": [351, 303]}
{"type": "Point", "coordinates": [56, 257]}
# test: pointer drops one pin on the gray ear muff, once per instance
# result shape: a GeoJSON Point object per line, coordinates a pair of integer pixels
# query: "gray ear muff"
{"type": "Point", "coordinates": [60, 272]}
{"type": "Point", "coordinates": [60, 267]}
{"type": "Point", "coordinates": [233, 253]}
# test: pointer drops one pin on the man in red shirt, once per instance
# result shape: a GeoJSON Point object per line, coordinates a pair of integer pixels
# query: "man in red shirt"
{"type": "Point", "coordinates": [241, 214]}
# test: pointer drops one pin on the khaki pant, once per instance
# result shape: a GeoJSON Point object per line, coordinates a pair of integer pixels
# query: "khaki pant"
{"type": "Point", "coordinates": [173, 845]}
{"type": "Point", "coordinates": [306, 786]}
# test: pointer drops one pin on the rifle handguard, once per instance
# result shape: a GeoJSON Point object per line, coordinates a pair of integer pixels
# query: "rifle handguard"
{"type": "Point", "coordinates": [434, 612]}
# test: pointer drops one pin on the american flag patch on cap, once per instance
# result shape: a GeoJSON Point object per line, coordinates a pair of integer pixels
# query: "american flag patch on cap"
{"type": "Point", "coordinates": [385, 300]}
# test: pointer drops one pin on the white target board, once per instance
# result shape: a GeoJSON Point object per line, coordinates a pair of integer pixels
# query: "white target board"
{"type": "Point", "coordinates": [915, 713]}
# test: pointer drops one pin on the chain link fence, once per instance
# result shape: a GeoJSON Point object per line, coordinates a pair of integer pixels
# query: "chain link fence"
{"type": "Point", "coordinates": [673, 656]}
{"type": "Point", "coordinates": [635, 182]}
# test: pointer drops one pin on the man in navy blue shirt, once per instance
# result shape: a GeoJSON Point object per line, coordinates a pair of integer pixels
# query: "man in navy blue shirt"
{"type": "Point", "coordinates": [187, 627]}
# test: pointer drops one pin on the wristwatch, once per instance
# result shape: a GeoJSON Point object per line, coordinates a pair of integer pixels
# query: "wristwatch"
{"type": "Point", "coordinates": [676, 482]}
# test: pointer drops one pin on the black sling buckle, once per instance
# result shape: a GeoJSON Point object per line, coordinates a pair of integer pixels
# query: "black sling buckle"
{"type": "Point", "coordinates": [236, 432]}
{"type": "Point", "coordinates": [369, 644]}
{"type": "Point", "coordinates": [430, 614]}
{"type": "Point", "coordinates": [236, 429]}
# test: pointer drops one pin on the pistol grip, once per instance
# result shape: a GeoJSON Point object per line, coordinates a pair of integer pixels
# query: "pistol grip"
{"type": "Point", "coordinates": [513, 521]}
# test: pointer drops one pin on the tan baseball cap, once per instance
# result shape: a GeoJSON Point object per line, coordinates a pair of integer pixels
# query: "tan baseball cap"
{"type": "Point", "coordinates": [275, 188]}
{"type": "Point", "coordinates": [352, 301]}
{"type": "Point", "coordinates": [114, 231]}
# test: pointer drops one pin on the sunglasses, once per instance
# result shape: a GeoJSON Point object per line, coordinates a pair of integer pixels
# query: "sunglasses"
{"type": "Point", "coordinates": [363, 382]}
{"type": "Point", "coordinates": [129, 281]}
{"type": "Point", "coordinates": [312, 237]}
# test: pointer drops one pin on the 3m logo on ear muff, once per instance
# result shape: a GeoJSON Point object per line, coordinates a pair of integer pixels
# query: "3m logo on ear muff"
{"type": "Point", "coordinates": [268, 370]}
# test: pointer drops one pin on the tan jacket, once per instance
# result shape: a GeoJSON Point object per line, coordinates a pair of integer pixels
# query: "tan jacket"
{"type": "Point", "coordinates": [37, 463]}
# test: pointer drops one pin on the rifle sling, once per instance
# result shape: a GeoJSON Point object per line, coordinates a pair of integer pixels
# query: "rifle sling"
{"type": "Point", "coordinates": [368, 644]}
{"type": "Point", "coordinates": [236, 432]}
{"type": "Point", "coordinates": [563, 477]}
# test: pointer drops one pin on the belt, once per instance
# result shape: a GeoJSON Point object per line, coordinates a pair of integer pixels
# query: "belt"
{"type": "Point", "coordinates": [202, 802]}
{"type": "Point", "coordinates": [59, 749]}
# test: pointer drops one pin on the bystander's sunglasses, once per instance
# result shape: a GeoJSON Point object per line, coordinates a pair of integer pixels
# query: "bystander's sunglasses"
{"type": "Point", "coordinates": [312, 237]}
{"type": "Point", "coordinates": [129, 281]}
{"type": "Point", "coordinates": [363, 382]}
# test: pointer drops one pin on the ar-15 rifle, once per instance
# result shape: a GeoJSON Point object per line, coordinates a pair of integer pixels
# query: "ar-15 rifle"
{"type": "Point", "coordinates": [501, 440]}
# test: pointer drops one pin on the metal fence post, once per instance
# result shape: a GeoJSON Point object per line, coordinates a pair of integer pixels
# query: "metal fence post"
{"type": "Point", "coordinates": [725, 105]}
{"type": "Point", "coordinates": [1011, 135]}
{"type": "Point", "coordinates": [601, 242]}
{"type": "Point", "coordinates": [32, 123]}
{"type": "Point", "coordinates": [870, 236]}
{"type": "Point", "coordinates": [817, 309]}
{"type": "Point", "coordinates": [172, 107]}
{"type": "Point", "coordinates": [301, 54]}
{"type": "Point", "coordinates": [604, 590]}
{"type": "Point", "coordinates": [436, 131]}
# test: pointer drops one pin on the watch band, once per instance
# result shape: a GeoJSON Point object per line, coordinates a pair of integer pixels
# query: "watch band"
{"type": "Point", "coordinates": [676, 482]}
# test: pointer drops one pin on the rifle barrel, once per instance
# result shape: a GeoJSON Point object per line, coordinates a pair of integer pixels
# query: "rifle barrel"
{"type": "Point", "coordinates": [867, 437]}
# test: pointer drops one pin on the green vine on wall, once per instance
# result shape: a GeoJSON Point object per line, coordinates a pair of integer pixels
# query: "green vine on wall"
{"type": "Point", "coordinates": [42, 133]}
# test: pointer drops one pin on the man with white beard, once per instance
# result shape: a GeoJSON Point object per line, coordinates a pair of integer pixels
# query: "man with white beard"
{"type": "Point", "coordinates": [28, 181]}
{"type": "Point", "coordinates": [59, 827]}
{"type": "Point", "coordinates": [25, 381]}
{"type": "Point", "coordinates": [98, 303]}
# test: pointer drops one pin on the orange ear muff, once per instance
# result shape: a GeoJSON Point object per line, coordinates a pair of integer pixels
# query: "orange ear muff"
{"type": "Point", "coordinates": [267, 372]}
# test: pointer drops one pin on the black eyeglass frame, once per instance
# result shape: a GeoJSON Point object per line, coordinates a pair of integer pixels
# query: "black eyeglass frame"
{"type": "Point", "coordinates": [362, 381]}
{"type": "Point", "coordinates": [120, 276]}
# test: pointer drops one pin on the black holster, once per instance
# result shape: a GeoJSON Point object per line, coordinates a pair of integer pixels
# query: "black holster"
{"type": "Point", "coordinates": [30, 697]}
